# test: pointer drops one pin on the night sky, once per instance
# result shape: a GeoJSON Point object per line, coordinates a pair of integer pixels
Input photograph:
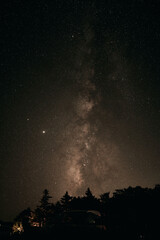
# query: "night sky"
{"type": "Point", "coordinates": [79, 98]}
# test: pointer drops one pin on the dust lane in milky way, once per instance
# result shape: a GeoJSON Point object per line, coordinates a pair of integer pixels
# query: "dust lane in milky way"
{"type": "Point", "coordinates": [90, 160]}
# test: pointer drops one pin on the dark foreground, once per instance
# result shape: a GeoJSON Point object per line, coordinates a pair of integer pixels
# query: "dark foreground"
{"type": "Point", "coordinates": [76, 233]}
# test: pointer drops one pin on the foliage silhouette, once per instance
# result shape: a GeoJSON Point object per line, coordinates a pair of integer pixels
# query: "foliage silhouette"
{"type": "Point", "coordinates": [24, 218]}
{"type": "Point", "coordinates": [65, 201]}
{"type": "Point", "coordinates": [43, 212]}
{"type": "Point", "coordinates": [89, 194]}
{"type": "Point", "coordinates": [131, 211]}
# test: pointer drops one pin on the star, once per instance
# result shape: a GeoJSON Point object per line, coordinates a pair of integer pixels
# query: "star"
{"type": "Point", "coordinates": [43, 131]}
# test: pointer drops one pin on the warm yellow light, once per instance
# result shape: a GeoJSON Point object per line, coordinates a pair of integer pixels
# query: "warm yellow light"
{"type": "Point", "coordinates": [18, 227]}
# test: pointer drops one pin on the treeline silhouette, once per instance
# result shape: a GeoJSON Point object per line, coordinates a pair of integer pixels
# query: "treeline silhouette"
{"type": "Point", "coordinates": [131, 213]}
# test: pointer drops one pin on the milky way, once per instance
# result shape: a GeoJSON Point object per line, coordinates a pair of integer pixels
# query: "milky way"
{"type": "Point", "coordinates": [89, 160]}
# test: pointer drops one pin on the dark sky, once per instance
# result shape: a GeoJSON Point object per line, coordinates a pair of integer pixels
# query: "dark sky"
{"type": "Point", "coordinates": [79, 98]}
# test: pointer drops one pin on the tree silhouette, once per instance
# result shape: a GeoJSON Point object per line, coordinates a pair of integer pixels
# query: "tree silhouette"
{"type": "Point", "coordinates": [65, 201]}
{"type": "Point", "coordinates": [42, 212]}
{"type": "Point", "coordinates": [24, 218]}
{"type": "Point", "coordinates": [89, 194]}
{"type": "Point", "coordinates": [90, 201]}
{"type": "Point", "coordinates": [104, 198]}
{"type": "Point", "coordinates": [130, 211]}
{"type": "Point", "coordinates": [45, 200]}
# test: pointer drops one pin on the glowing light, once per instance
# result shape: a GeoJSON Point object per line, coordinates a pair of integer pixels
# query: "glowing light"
{"type": "Point", "coordinates": [17, 227]}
